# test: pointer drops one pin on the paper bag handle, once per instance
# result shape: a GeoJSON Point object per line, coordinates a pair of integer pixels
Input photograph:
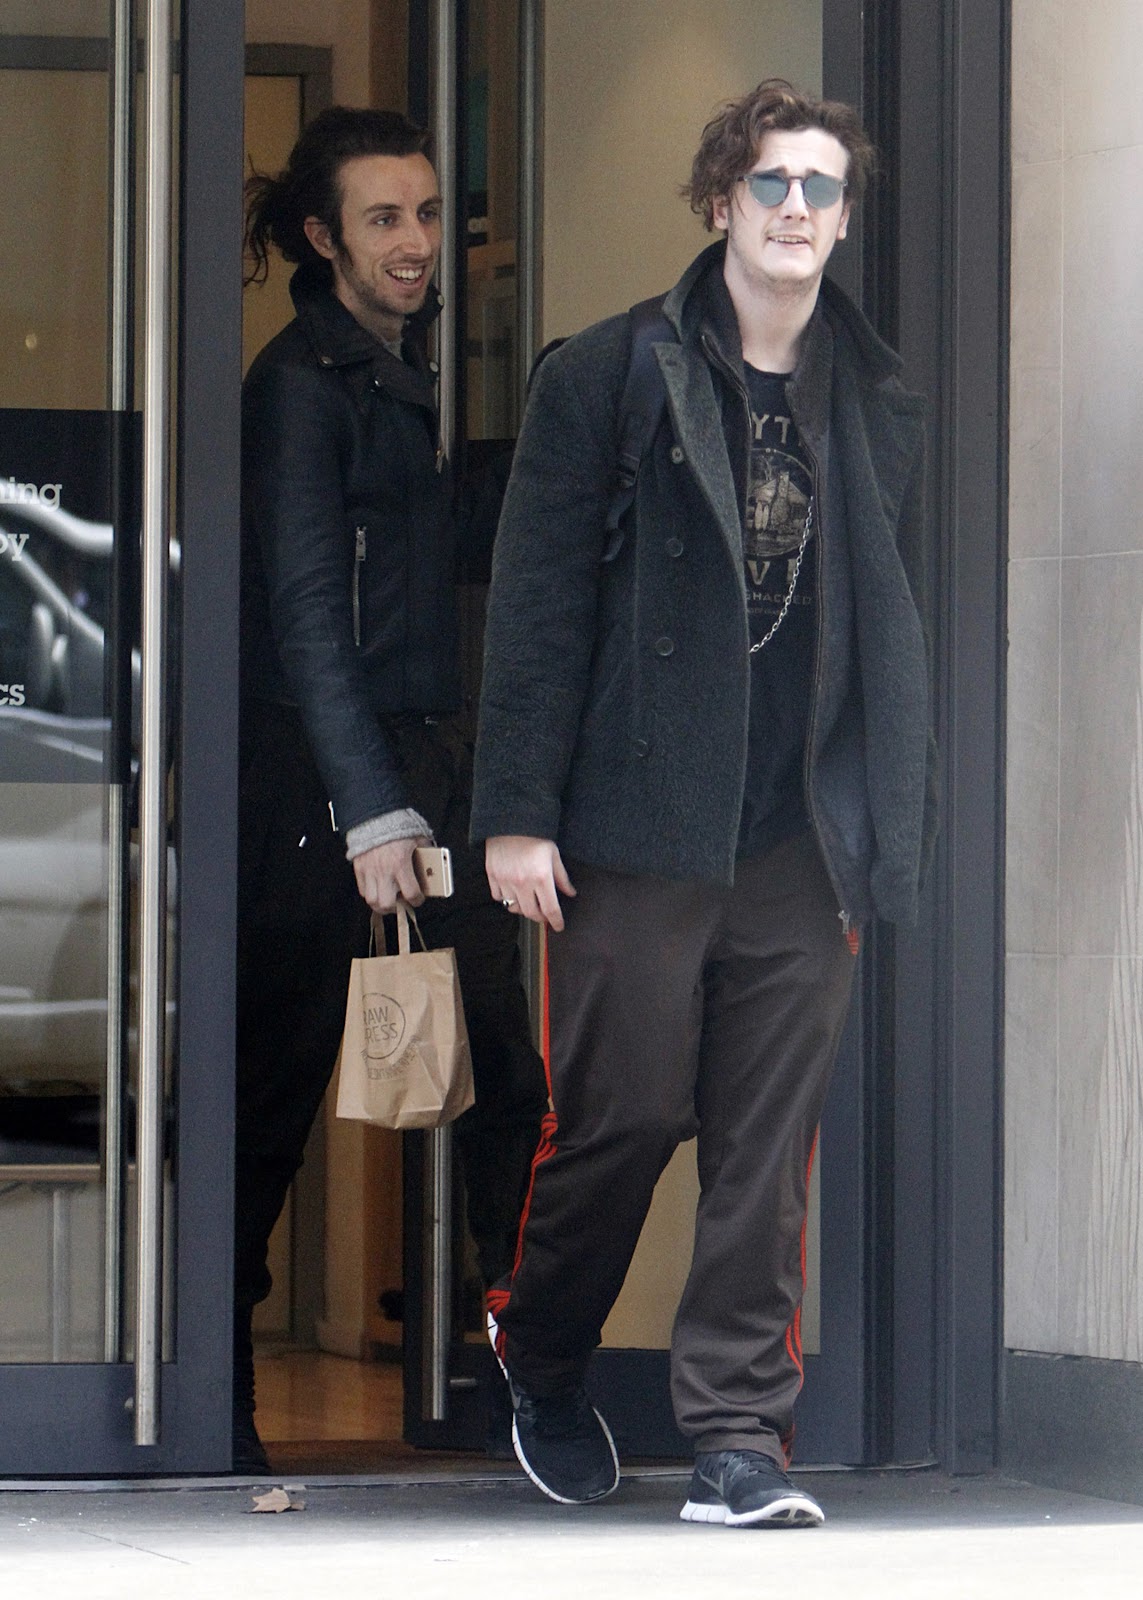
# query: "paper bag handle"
{"type": "Point", "coordinates": [405, 915]}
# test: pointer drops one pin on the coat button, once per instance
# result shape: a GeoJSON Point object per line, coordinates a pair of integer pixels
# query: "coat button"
{"type": "Point", "coordinates": [326, 361]}
{"type": "Point", "coordinates": [433, 367]}
{"type": "Point", "coordinates": [674, 547]}
{"type": "Point", "coordinates": [664, 646]}
{"type": "Point", "coordinates": [677, 454]}
{"type": "Point", "coordinates": [640, 746]}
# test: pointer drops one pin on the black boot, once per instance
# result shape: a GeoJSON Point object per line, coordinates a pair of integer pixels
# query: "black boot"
{"type": "Point", "coordinates": [248, 1457]}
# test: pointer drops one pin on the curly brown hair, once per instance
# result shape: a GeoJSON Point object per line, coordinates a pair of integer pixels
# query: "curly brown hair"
{"type": "Point", "coordinates": [731, 140]}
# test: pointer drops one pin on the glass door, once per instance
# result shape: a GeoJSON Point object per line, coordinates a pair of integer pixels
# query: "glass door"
{"type": "Point", "coordinates": [593, 170]}
{"type": "Point", "coordinates": [101, 794]}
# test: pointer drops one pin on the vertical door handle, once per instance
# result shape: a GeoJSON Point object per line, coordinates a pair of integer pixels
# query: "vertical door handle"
{"type": "Point", "coordinates": [444, 137]}
{"type": "Point", "coordinates": [152, 752]}
{"type": "Point", "coordinates": [118, 399]}
{"type": "Point", "coordinates": [437, 1274]}
{"type": "Point", "coordinates": [530, 89]}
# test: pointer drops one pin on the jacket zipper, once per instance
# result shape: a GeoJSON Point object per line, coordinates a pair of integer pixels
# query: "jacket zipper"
{"type": "Point", "coordinates": [715, 356]}
{"type": "Point", "coordinates": [358, 562]}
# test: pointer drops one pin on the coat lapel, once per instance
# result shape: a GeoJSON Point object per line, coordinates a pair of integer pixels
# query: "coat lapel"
{"type": "Point", "coordinates": [697, 422]}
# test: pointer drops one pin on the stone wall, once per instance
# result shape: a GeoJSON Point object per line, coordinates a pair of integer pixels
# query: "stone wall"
{"type": "Point", "coordinates": [1074, 970]}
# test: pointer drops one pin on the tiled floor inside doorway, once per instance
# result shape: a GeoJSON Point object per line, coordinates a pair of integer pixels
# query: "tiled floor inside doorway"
{"type": "Point", "coordinates": [319, 1413]}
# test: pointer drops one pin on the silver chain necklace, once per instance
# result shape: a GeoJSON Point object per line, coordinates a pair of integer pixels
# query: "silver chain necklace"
{"type": "Point", "coordinates": [788, 601]}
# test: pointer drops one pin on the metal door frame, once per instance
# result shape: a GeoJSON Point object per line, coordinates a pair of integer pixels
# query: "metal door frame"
{"type": "Point", "coordinates": [209, 392]}
{"type": "Point", "coordinates": [933, 84]}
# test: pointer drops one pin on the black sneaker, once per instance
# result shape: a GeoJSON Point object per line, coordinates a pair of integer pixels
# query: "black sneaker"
{"type": "Point", "coordinates": [561, 1441]}
{"type": "Point", "coordinates": [746, 1489]}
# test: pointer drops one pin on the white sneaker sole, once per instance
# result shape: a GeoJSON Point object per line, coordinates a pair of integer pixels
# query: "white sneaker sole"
{"type": "Point", "coordinates": [493, 1335]}
{"type": "Point", "coordinates": [792, 1511]}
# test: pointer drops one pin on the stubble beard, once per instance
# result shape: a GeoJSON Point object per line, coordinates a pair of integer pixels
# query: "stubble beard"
{"type": "Point", "coordinates": [371, 301]}
{"type": "Point", "coordinates": [789, 291]}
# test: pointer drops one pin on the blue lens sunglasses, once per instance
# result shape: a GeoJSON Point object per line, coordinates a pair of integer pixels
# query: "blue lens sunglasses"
{"type": "Point", "coordinates": [771, 188]}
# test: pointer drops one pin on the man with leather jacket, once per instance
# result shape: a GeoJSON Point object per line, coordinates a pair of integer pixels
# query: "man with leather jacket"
{"type": "Point", "coordinates": [704, 760]}
{"type": "Point", "coordinates": [351, 751]}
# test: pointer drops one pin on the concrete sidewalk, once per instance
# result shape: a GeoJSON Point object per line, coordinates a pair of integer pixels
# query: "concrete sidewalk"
{"type": "Point", "coordinates": [893, 1536]}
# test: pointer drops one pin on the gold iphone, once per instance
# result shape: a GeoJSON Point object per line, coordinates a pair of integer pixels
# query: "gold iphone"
{"type": "Point", "coordinates": [433, 866]}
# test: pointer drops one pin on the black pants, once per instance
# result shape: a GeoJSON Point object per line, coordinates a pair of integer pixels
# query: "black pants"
{"type": "Point", "coordinates": [684, 1008]}
{"type": "Point", "coordinates": [300, 922]}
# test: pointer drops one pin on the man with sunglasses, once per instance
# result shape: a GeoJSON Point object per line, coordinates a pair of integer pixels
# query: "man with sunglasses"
{"type": "Point", "coordinates": [705, 761]}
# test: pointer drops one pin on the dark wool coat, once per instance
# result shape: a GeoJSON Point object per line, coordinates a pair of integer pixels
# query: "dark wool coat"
{"type": "Point", "coordinates": [616, 694]}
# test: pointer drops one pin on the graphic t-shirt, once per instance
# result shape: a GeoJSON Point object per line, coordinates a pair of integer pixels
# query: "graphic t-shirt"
{"type": "Point", "coordinates": [779, 486]}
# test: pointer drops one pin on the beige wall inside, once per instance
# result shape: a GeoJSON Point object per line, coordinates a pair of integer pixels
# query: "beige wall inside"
{"type": "Point", "coordinates": [627, 91]}
{"type": "Point", "coordinates": [1074, 966]}
{"type": "Point", "coordinates": [272, 123]}
{"type": "Point", "coordinates": [645, 1311]}
{"type": "Point", "coordinates": [76, 19]}
{"type": "Point", "coordinates": [341, 25]}
{"type": "Point", "coordinates": [53, 239]}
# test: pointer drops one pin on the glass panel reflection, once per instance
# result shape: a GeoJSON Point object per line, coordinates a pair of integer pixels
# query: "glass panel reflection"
{"type": "Point", "coordinates": [62, 458]}
{"type": "Point", "coordinates": [54, 593]}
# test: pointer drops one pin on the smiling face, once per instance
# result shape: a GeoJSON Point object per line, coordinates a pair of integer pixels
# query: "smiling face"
{"type": "Point", "coordinates": [782, 250]}
{"type": "Point", "coordinates": [390, 239]}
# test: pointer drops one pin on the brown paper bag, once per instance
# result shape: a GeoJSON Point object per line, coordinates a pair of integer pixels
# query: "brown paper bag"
{"type": "Point", "coordinates": [404, 1060]}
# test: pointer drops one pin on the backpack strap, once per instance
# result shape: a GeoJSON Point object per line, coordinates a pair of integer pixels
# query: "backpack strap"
{"type": "Point", "coordinates": [640, 412]}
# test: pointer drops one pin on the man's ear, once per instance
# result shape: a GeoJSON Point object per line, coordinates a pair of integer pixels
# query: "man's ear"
{"type": "Point", "coordinates": [843, 225]}
{"type": "Point", "coordinates": [720, 211]}
{"type": "Point", "coordinates": [317, 232]}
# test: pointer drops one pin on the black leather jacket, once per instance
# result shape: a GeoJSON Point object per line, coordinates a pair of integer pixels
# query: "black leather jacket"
{"type": "Point", "coordinates": [348, 545]}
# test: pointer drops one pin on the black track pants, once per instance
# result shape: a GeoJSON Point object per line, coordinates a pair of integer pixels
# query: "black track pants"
{"type": "Point", "coordinates": [301, 921]}
{"type": "Point", "coordinates": [676, 1008]}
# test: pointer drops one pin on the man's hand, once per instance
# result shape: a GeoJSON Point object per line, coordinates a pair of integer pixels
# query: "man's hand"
{"type": "Point", "coordinates": [385, 874]}
{"type": "Point", "coordinates": [528, 876]}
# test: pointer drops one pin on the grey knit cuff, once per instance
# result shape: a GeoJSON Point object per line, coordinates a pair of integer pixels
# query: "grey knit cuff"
{"type": "Point", "coordinates": [406, 824]}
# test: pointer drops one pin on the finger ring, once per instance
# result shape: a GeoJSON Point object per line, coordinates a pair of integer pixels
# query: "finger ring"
{"type": "Point", "coordinates": [507, 902]}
